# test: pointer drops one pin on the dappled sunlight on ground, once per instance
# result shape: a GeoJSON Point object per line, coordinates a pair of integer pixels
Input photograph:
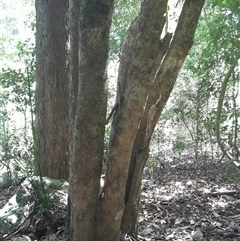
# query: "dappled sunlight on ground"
{"type": "Point", "coordinates": [179, 201]}
{"type": "Point", "coordinates": [185, 202]}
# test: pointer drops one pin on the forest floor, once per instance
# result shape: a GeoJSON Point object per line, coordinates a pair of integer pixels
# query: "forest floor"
{"type": "Point", "coordinates": [185, 201]}
{"type": "Point", "coordinates": [180, 201]}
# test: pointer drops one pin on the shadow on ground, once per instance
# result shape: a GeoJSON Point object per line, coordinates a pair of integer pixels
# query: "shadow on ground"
{"type": "Point", "coordinates": [182, 200]}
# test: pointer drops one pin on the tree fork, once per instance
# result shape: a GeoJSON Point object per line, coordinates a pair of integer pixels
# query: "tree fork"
{"type": "Point", "coordinates": [163, 85]}
{"type": "Point", "coordinates": [140, 54]}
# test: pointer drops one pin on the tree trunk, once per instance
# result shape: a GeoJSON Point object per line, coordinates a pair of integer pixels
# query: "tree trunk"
{"type": "Point", "coordinates": [148, 70]}
{"type": "Point", "coordinates": [220, 104]}
{"type": "Point", "coordinates": [90, 23]}
{"type": "Point", "coordinates": [141, 55]}
{"type": "Point", "coordinates": [158, 95]}
{"type": "Point", "coordinates": [51, 96]}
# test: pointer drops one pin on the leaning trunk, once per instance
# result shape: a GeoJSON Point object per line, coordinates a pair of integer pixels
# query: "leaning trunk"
{"type": "Point", "coordinates": [148, 70]}
{"type": "Point", "coordinates": [141, 54]}
{"type": "Point", "coordinates": [159, 93]}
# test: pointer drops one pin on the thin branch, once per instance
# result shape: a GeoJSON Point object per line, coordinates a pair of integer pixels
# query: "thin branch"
{"type": "Point", "coordinates": [220, 104]}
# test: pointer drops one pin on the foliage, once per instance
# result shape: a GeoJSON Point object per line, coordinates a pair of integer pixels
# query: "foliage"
{"type": "Point", "coordinates": [125, 11]}
{"type": "Point", "coordinates": [193, 106]}
{"type": "Point", "coordinates": [14, 98]}
{"type": "Point", "coordinates": [17, 93]}
{"type": "Point", "coordinates": [230, 170]}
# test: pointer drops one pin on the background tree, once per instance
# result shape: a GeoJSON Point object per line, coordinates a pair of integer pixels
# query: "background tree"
{"type": "Point", "coordinates": [51, 96]}
{"type": "Point", "coordinates": [211, 64]}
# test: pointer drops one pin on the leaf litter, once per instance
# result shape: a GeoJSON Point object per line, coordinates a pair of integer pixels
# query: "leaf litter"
{"type": "Point", "coordinates": [179, 201]}
{"type": "Point", "coordinates": [185, 201]}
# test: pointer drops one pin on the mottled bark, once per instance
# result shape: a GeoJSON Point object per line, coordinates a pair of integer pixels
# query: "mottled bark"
{"type": "Point", "coordinates": [159, 93]}
{"type": "Point", "coordinates": [88, 110]}
{"type": "Point", "coordinates": [51, 96]}
{"type": "Point", "coordinates": [132, 193]}
{"type": "Point", "coordinates": [148, 70]}
{"type": "Point", "coordinates": [141, 55]}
